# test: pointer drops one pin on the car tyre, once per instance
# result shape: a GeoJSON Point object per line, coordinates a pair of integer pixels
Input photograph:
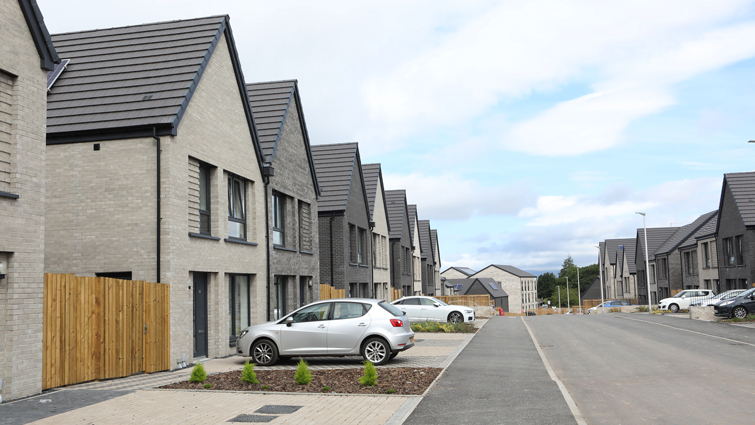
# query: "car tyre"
{"type": "Point", "coordinates": [455, 317]}
{"type": "Point", "coordinates": [673, 308]}
{"type": "Point", "coordinates": [739, 312]}
{"type": "Point", "coordinates": [376, 351]}
{"type": "Point", "coordinates": [394, 354]}
{"type": "Point", "coordinates": [264, 352]}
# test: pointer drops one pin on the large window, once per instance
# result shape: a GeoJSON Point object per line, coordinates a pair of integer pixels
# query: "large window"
{"type": "Point", "coordinates": [279, 219]}
{"type": "Point", "coordinates": [204, 199]}
{"type": "Point", "coordinates": [239, 298]}
{"type": "Point", "coordinates": [706, 255]}
{"type": "Point", "coordinates": [664, 269]}
{"type": "Point", "coordinates": [361, 239]}
{"type": "Point", "coordinates": [739, 247]}
{"type": "Point", "coordinates": [729, 251]}
{"type": "Point", "coordinates": [688, 263]}
{"type": "Point", "coordinates": [280, 297]}
{"type": "Point", "coordinates": [236, 208]}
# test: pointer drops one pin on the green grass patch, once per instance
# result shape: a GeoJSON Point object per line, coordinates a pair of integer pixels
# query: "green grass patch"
{"type": "Point", "coordinates": [750, 318]}
{"type": "Point", "coordinates": [445, 327]}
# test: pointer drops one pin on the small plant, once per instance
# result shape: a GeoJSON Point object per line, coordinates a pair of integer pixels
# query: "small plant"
{"type": "Point", "coordinates": [208, 385]}
{"type": "Point", "coordinates": [615, 310]}
{"type": "Point", "coordinates": [198, 374]}
{"type": "Point", "coordinates": [266, 387]}
{"type": "Point", "coordinates": [391, 391]}
{"type": "Point", "coordinates": [642, 309]}
{"type": "Point", "coordinates": [248, 375]}
{"type": "Point", "coordinates": [750, 318]}
{"type": "Point", "coordinates": [325, 389]}
{"type": "Point", "coordinates": [446, 327]}
{"type": "Point", "coordinates": [303, 375]}
{"type": "Point", "coordinates": [370, 375]}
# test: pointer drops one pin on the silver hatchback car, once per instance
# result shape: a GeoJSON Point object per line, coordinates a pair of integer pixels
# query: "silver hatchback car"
{"type": "Point", "coordinates": [371, 328]}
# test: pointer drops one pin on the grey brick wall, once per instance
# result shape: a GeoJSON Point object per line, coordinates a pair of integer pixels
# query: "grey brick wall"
{"type": "Point", "coordinates": [730, 224]}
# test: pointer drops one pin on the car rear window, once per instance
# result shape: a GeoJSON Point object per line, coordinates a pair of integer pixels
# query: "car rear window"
{"type": "Point", "coordinates": [390, 309]}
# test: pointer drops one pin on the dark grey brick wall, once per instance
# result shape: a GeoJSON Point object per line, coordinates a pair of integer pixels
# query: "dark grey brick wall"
{"type": "Point", "coordinates": [730, 224]}
{"type": "Point", "coordinates": [690, 280]}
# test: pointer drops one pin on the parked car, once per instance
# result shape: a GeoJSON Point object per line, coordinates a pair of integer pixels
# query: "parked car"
{"type": "Point", "coordinates": [608, 304]}
{"type": "Point", "coordinates": [738, 307]}
{"type": "Point", "coordinates": [371, 328]}
{"type": "Point", "coordinates": [683, 299]}
{"type": "Point", "coordinates": [717, 298]}
{"type": "Point", "coordinates": [421, 308]}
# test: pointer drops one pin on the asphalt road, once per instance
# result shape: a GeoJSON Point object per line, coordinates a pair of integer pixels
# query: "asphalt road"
{"type": "Point", "coordinates": [643, 369]}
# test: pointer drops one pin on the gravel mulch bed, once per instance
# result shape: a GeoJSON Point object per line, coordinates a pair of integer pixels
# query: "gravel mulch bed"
{"type": "Point", "coordinates": [341, 381]}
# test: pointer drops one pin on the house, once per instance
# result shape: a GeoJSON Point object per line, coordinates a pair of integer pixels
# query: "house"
{"type": "Point", "coordinates": [381, 264]}
{"type": "Point", "coordinates": [26, 56]}
{"type": "Point", "coordinates": [520, 286]}
{"type": "Point", "coordinates": [592, 292]}
{"type": "Point", "coordinates": [436, 260]}
{"type": "Point", "coordinates": [344, 219]}
{"type": "Point", "coordinates": [655, 237]}
{"type": "Point", "coordinates": [135, 191]}
{"type": "Point", "coordinates": [418, 250]}
{"type": "Point", "coordinates": [291, 192]}
{"type": "Point", "coordinates": [482, 286]}
{"type": "Point", "coordinates": [428, 262]}
{"type": "Point", "coordinates": [626, 277]}
{"type": "Point", "coordinates": [694, 273]}
{"type": "Point", "coordinates": [735, 231]}
{"type": "Point", "coordinates": [707, 249]}
{"type": "Point", "coordinates": [457, 273]}
{"type": "Point", "coordinates": [400, 242]}
{"type": "Point", "coordinates": [672, 266]}
{"type": "Point", "coordinates": [608, 250]}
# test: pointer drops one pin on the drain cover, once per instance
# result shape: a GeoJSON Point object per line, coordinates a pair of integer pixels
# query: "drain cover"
{"type": "Point", "coordinates": [253, 418]}
{"type": "Point", "coordinates": [277, 409]}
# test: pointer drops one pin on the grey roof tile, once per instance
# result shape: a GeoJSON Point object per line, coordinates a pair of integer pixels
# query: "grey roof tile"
{"type": "Point", "coordinates": [398, 215]}
{"type": "Point", "coordinates": [466, 270]}
{"type": "Point", "coordinates": [742, 186]}
{"type": "Point", "coordinates": [336, 165]}
{"type": "Point", "coordinates": [371, 179]}
{"type": "Point", "coordinates": [424, 236]}
{"type": "Point", "coordinates": [513, 270]}
{"type": "Point", "coordinates": [656, 237]}
{"type": "Point", "coordinates": [495, 290]}
{"type": "Point", "coordinates": [683, 233]}
{"type": "Point", "coordinates": [436, 247]}
{"type": "Point", "coordinates": [612, 245]}
{"type": "Point", "coordinates": [629, 253]}
{"type": "Point", "coordinates": [413, 219]}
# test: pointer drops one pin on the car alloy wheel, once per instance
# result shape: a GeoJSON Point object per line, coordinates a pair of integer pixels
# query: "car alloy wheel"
{"type": "Point", "coordinates": [739, 312]}
{"type": "Point", "coordinates": [674, 308]}
{"type": "Point", "coordinates": [376, 351]}
{"type": "Point", "coordinates": [264, 353]}
{"type": "Point", "coordinates": [455, 318]}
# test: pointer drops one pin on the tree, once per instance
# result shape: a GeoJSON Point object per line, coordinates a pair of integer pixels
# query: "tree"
{"type": "Point", "coordinates": [568, 265]}
{"type": "Point", "coordinates": [546, 284]}
{"type": "Point", "coordinates": [550, 284]}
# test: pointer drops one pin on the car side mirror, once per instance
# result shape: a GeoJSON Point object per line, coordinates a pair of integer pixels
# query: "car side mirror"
{"type": "Point", "coordinates": [289, 321]}
{"type": "Point", "coordinates": [404, 313]}
{"type": "Point", "coordinates": [436, 304]}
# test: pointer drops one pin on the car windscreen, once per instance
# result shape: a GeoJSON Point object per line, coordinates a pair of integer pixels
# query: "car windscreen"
{"type": "Point", "coordinates": [390, 309]}
{"type": "Point", "coordinates": [438, 301]}
{"type": "Point", "coordinates": [746, 293]}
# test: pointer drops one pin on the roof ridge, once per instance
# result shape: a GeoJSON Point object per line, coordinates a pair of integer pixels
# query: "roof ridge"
{"type": "Point", "coordinates": [143, 25]}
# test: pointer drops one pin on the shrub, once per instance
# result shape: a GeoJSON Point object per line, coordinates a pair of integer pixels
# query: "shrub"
{"type": "Point", "coordinates": [266, 387]}
{"type": "Point", "coordinates": [198, 374]}
{"type": "Point", "coordinates": [446, 327]}
{"type": "Point", "coordinates": [391, 391]}
{"type": "Point", "coordinates": [643, 309]}
{"type": "Point", "coordinates": [208, 385]}
{"type": "Point", "coordinates": [615, 310]}
{"type": "Point", "coordinates": [303, 375]}
{"type": "Point", "coordinates": [370, 375]}
{"type": "Point", "coordinates": [248, 375]}
{"type": "Point", "coordinates": [325, 389]}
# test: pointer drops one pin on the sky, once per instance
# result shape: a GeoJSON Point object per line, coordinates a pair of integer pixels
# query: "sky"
{"type": "Point", "coordinates": [525, 131]}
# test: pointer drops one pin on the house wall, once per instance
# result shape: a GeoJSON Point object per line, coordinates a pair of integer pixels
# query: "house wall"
{"type": "Point", "coordinates": [297, 260]}
{"type": "Point", "coordinates": [418, 264]}
{"type": "Point", "coordinates": [382, 267]}
{"type": "Point", "coordinates": [332, 261]}
{"type": "Point", "coordinates": [710, 274]}
{"type": "Point", "coordinates": [626, 276]}
{"type": "Point", "coordinates": [356, 214]}
{"type": "Point", "coordinates": [690, 281]}
{"type": "Point", "coordinates": [730, 224]}
{"type": "Point", "coordinates": [400, 277]}
{"type": "Point", "coordinates": [436, 268]}
{"type": "Point", "coordinates": [23, 115]}
{"type": "Point", "coordinates": [102, 208]}
{"type": "Point", "coordinates": [522, 292]}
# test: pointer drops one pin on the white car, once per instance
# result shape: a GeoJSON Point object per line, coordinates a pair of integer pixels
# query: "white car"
{"type": "Point", "coordinates": [421, 308]}
{"type": "Point", "coordinates": [717, 298]}
{"type": "Point", "coordinates": [682, 300]}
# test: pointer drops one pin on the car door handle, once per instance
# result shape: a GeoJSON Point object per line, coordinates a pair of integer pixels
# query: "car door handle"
{"type": "Point", "coordinates": [362, 324]}
{"type": "Point", "coordinates": [321, 326]}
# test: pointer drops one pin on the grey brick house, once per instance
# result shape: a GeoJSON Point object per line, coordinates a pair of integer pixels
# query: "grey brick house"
{"type": "Point", "coordinates": [482, 286]}
{"type": "Point", "coordinates": [154, 172]}
{"type": "Point", "coordinates": [418, 248]}
{"type": "Point", "coordinates": [436, 261]}
{"type": "Point", "coordinates": [293, 277]}
{"type": "Point", "coordinates": [343, 219]}
{"type": "Point", "coordinates": [381, 264]}
{"type": "Point", "coordinates": [428, 261]}
{"type": "Point", "coordinates": [609, 249]}
{"type": "Point", "coordinates": [656, 236]}
{"type": "Point", "coordinates": [626, 276]}
{"type": "Point", "coordinates": [26, 56]}
{"type": "Point", "coordinates": [400, 242]}
{"type": "Point", "coordinates": [707, 248]}
{"type": "Point", "coordinates": [672, 265]}
{"type": "Point", "coordinates": [696, 262]}
{"type": "Point", "coordinates": [735, 232]}
{"type": "Point", "coordinates": [520, 285]}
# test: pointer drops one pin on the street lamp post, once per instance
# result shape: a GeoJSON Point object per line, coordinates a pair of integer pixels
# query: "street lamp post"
{"type": "Point", "coordinates": [579, 292]}
{"type": "Point", "coordinates": [647, 266]}
{"type": "Point", "coordinates": [600, 265]}
{"type": "Point", "coordinates": [559, 299]}
{"type": "Point", "coordinates": [568, 304]}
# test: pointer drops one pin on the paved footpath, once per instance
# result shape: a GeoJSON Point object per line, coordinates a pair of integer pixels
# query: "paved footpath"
{"type": "Point", "coordinates": [499, 378]}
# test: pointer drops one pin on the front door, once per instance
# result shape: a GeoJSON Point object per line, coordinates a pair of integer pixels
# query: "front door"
{"type": "Point", "coordinates": [200, 314]}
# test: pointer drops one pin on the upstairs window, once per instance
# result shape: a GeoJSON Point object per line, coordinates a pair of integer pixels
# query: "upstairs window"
{"type": "Point", "coordinates": [279, 219]}
{"type": "Point", "coordinates": [706, 255]}
{"type": "Point", "coordinates": [729, 251]}
{"type": "Point", "coordinates": [236, 208]}
{"type": "Point", "coordinates": [204, 199]}
{"type": "Point", "coordinates": [361, 258]}
{"type": "Point", "coordinates": [739, 247]}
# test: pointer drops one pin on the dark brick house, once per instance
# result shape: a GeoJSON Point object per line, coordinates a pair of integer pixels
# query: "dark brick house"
{"type": "Point", "coordinates": [400, 241]}
{"type": "Point", "coordinates": [344, 219]}
{"type": "Point", "coordinates": [291, 196]}
{"type": "Point", "coordinates": [427, 257]}
{"type": "Point", "coordinates": [656, 236]}
{"type": "Point", "coordinates": [735, 234]}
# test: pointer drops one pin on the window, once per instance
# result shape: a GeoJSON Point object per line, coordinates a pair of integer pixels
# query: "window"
{"type": "Point", "coordinates": [280, 297]}
{"type": "Point", "coordinates": [6, 137]}
{"type": "Point", "coordinates": [408, 261]}
{"type": "Point", "coordinates": [238, 297]}
{"type": "Point", "coordinates": [706, 284]}
{"type": "Point", "coordinates": [204, 199]}
{"type": "Point", "coordinates": [305, 227]}
{"type": "Point", "coordinates": [375, 244]}
{"type": "Point", "coordinates": [348, 310]}
{"type": "Point", "coordinates": [361, 259]}
{"type": "Point", "coordinates": [652, 273]}
{"type": "Point", "coordinates": [664, 269]}
{"type": "Point", "coordinates": [739, 247]}
{"type": "Point", "coordinates": [728, 251]}
{"type": "Point", "coordinates": [688, 263]}
{"type": "Point", "coordinates": [352, 244]}
{"type": "Point", "coordinates": [742, 284]}
{"type": "Point", "coordinates": [706, 255]}
{"type": "Point", "coordinates": [313, 313]}
{"type": "Point", "coordinates": [236, 208]}
{"type": "Point", "coordinates": [279, 220]}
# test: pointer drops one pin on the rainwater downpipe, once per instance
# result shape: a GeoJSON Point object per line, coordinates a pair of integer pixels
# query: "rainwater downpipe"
{"type": "Point", "coordinates": [267, 245]}
{"type": "Point", "coordinates": [332, 283]}
{"type": "Point", "coordinates": [157, 241]}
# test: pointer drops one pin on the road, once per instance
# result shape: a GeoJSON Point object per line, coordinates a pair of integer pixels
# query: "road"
{"type": "Point", "coordinates": [643, 369]}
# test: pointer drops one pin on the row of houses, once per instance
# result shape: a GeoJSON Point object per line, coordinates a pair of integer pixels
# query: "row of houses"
{"type": "Point", "coordinates": [716, 251]}
{"type": "Point", "coordinates": [142, 153]}
{"type": "Point", "coordinates": [510, 288]}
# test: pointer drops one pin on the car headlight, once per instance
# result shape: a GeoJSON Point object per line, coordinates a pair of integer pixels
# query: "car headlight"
{"type": "Point", "coordinates": [469, 311]}
{"type": "Point", "coordinates": [244, 332]}
{"type": "Point", "coordinates": [726, 303]}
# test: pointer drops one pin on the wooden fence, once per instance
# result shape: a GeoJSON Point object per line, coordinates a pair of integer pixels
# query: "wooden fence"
{"type": "Point", "coordinates": [592, 303]}
{"type": "Point", "coordinates": [99, 328]}
{"type": "Point", "coordinates": [328, 292]}
{"type": "Point", "coordinates": [396, 294]}
{"type": "Point", "coordinates": [466, 300]}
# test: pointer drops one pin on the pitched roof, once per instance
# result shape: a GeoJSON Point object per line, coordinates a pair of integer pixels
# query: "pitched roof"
{"type": "Point", "coordinates": [513, 270]}
{"type": "Point", "coordinates": [592, 292]}
{"type": "Point", "coordinates": [742, 186]}
{"type": "Point", "coordinates": [656, 237]}
{"type": "Point", "coordinates": [424, 236]}
{"type": "Point", "coordinates": [127, 82]}
{"type": "Point", "coordinates": [612, 245]}
{"type": "Point", "coordinates": [48, 56]}
{"type": "Point", "coordinates": [434, 240]}
{"type": "Point", "coordinates": [337, 164]}
{"type": "Point", "coordinates": [629, 253]}
{"type": "Point", "coordinates": [271, 102]}
{"type": "Point", "coordinates": [490, 285]}
{"type": "Point", "coordinates": [414, 218]}
{"type": "Point", "coordinates": [398, 213]}
{"type": "Point", "coordinates": [708, 230]}
{"type": "Point", "coordinates": [684, 232]}
{"type": "Point", "coordinates": [372, 175]}
{"type": "Point", "coordinates": [466, 270]}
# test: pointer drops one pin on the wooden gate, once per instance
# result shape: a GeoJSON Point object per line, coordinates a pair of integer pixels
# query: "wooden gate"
{"type": "Point", "coordinates": [100, 328]}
